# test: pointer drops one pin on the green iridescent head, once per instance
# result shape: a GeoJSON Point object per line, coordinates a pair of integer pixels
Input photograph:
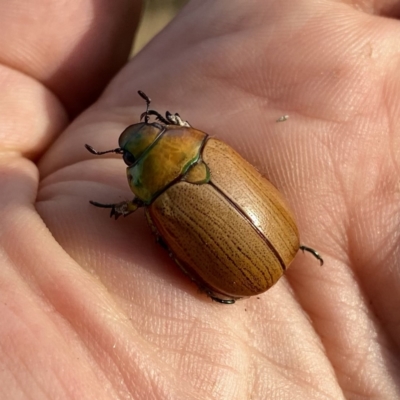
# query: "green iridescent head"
{"type": "Point", "coordinates": [156, 155]}
{"type": "Point", "coordinates": [160, 153]}
{"type": "Point", "coordinates": [136, 139]}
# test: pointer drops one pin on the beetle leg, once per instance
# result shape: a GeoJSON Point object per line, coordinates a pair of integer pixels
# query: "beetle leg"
{"type": "Point", "coordinates": [222, 301]}
{"type": "Point", "coordinates": [169, 119]}
{"type": "Point", "coordinates": [160, 241]}
{"type": "Point", "coordinates": [99, 153]}
{"type": "Point", "coordinates": [124, 208]}
{"type": "Point", "coordinates": [219, 298]}
{"type": "Point", "coordinates": [159, 117]}
{"type": "Point", "coordinates": [175, 119]}
{"type": "Point", "coordinates": [313, 252]}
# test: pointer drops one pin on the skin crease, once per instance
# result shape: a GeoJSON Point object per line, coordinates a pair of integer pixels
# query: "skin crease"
{"type": "Point", "coordinates": [91, 308]}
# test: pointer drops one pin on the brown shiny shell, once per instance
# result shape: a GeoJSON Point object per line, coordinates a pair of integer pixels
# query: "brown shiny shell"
{"type": "Point", "coordinates": [234, 236]}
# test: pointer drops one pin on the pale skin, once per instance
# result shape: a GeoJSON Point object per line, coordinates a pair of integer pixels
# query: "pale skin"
{"type": "Point", "coordinates": [93, 308]}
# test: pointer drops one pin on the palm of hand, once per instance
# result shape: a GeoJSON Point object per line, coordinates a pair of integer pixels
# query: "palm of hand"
{"type": "Point", "coordinates": [92, 300]}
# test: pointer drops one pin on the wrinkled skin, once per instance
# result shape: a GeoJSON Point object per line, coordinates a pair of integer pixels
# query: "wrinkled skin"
{"type": "Point", "coordinates": [93, 308]}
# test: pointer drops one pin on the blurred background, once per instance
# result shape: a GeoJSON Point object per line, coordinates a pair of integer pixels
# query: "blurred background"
{"type": "Point", "coordinates": [155, 15]}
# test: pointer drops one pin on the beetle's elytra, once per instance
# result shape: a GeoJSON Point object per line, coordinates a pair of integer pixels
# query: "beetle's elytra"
{"type": "Point", "coordinates": [233, 237]}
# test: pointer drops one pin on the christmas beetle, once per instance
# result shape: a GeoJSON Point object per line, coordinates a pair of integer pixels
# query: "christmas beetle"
{"type": "Point", "coordinates": [226, 226]}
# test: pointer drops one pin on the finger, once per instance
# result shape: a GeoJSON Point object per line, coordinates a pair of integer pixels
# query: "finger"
{"type": "Point", "coordinates": [59, 326]}
{"type": "Point", "coordinates": [73, 48]}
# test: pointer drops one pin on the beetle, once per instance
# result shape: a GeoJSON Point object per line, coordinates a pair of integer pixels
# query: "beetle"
{"type": "Point", "coordinates": [225, 225]}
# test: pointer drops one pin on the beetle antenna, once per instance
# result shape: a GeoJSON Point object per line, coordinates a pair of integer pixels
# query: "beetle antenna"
{"type": "Point", "coordinates": [99, 153]}
{"type": "Point", "coordinates": [313, 252]}
{"type": "Point", "coordinates": [148, 101]}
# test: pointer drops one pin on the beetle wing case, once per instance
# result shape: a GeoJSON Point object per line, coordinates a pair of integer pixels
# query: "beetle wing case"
{"type": "Point", "coordinates": [228, 233]}
{"type": "Point", "coordinates": [255, 196]}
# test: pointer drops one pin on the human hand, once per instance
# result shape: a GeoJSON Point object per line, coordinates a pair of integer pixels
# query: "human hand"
{"type": "Point", "coordinates": [93, 308]}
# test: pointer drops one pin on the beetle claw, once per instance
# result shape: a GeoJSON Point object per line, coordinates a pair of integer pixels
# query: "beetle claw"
{"type": "Point", "coordinates": [158, 116]}
{"type": "Point", "coordinates": [169, 119]}
{"type": "Point", "coordinates": [313, 252]}
{"type": "Point", "coordinates": [125, 208]}
{"type": "Point", "coordinates": [175, 119]}
{"type": "Point", "coordinates": [114, 214]}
